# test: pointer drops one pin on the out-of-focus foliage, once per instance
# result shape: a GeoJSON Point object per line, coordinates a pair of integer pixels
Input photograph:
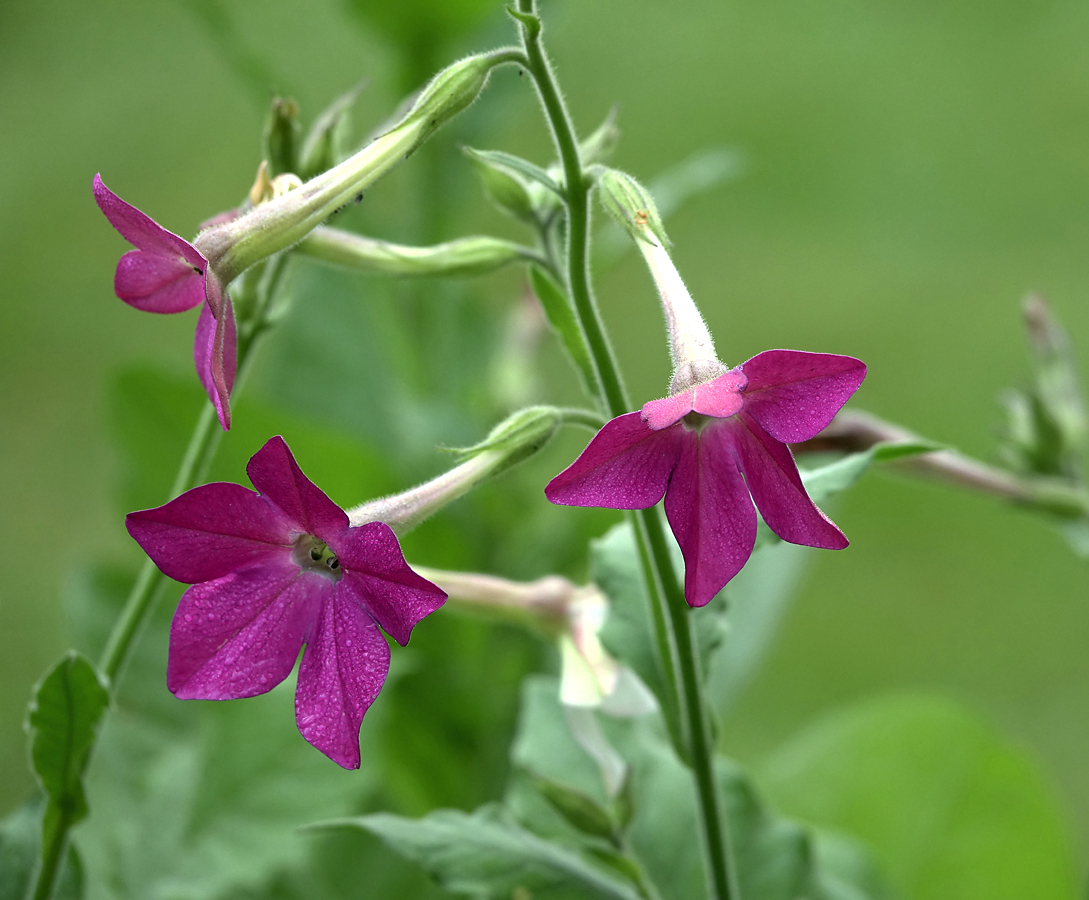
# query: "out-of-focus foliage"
{"type": "Point", "coordinates": [951, 809]}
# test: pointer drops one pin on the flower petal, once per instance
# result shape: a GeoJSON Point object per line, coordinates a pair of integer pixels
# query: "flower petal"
{"type": "Point", "coordinates": [342, 671]}
{"type": "Point", "coordinates": [376, 574]}
{"type": "Point", "coordinates": [240, 635]}
{"type": "Point", "coordinates": [274, 472]}
{"type": "Point", "coordinates": [141, 230]}
{"type": "Point", "coordinates": [156, 283]}
{"type": "Point", "coordinates": [710, 512]}
{"type": "Point", "coordinates": [215, 348]}
{"type": "Point", "coordinates": [210, 531]}
{"type": "Point", "coordinates": [778, 491]}
{"type": "Point", "coordinates": [626, 466]}
{"type": "Point", "coordinates": [793, 395]}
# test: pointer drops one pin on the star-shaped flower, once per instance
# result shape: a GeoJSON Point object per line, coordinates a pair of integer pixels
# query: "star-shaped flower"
{"type": "Point", "coordinates": [166, 274]}
{"type": "Point", "coordinates": [714, 449]}
{"type": "Point", "coordinates": [274, 570]}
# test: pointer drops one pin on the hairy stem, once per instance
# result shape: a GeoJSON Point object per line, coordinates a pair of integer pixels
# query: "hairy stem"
{"type": "Point", "coordinates": [669, 609]}
{"type": "Point", "coordinates": [855, 430]}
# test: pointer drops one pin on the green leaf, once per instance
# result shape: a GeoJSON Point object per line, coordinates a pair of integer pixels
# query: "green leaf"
{"type": "Point", "coordinates": [561, 315]}
{"type": "Point", "coordinates": [486, 854]}
{"type": "Point", "coordinates": [63, 719]}
{"type": "Point", "coordinates": [627, 633]}
{"type": "Point", "coordinates": [20, 850]}
{"type": "Point", "coordinates": [953, 811]}
{"type": "Point", "coordinates": [515, 165]}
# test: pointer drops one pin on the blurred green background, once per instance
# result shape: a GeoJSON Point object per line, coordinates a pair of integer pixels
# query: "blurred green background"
{"type": "Point", "coordinates": [913, 169]}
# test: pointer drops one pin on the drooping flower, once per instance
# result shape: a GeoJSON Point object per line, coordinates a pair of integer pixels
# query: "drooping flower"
{"type": "Point", "coordinates": [717, 444]}
{"type": "Point", "coordinates": [166, 274]}
{"type": "Point", "coordinates": [274, 570]}
{"type": "Point", "coordinates": [714, 449]}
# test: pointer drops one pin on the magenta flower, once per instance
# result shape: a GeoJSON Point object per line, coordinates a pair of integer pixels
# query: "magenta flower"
{"type": "Point", "coordinates": [708, 448]}
{"type": "Point", "coordinates": [166, 274]}
{"type": "Point", "coordinates": [274, 570]}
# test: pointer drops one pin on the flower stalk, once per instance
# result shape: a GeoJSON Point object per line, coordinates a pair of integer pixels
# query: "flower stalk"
{"type": "Point", "coordinates": [669, 610]}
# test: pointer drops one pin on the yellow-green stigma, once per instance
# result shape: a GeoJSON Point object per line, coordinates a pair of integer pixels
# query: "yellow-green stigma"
{"type": "Point", "coordinates": [315, 555]}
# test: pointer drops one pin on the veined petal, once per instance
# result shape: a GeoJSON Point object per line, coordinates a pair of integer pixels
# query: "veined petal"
{"type": "Point", "coordinates": [215, 355]}
{"type": "Point", "coordinates": [274, 472]}
{"type": "Point", "coordinates": [210, 531]}
{"type": "Point", "coordinates": [342, 671]}
{"type": "Point", "coordinates": [710, 512]}
{"type": "Point", "coordinates": [377, 576]}
{"type": "Point", "coordinates": [141, 230]}
{"type": "Point", "coordinates": [626, 466]}
{"type": "Point", "coordinates": [777, 488]}
{"type": "Point", "coordinates": [157, 283]}
{"type": "Point", "coordinates": [239, 636]}
{"type": "Point", "coordinates": [793, 395]}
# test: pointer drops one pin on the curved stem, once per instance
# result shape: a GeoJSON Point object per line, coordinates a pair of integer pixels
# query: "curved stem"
{"type": "Point", "coordinates": [669, 610]}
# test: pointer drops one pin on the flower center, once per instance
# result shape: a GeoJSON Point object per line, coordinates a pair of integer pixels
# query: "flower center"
{"type": "Point", "coordinates": [313, 555]}
{"type": "Point", "coordinates": [695, 421]}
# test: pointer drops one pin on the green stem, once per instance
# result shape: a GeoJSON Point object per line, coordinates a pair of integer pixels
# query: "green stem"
{"type": "Point", "coordinates": [669, 610]}
{"type": "Point", "coordinates": [150, 582]}
{"type": "Point", "coordinates": [52, 853]}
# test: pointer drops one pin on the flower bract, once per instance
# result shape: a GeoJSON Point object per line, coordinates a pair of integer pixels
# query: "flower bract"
{"type": "Point", "coordinates": [167, 274]}
{"type": "Point", "coordinates": [712, 451]}
{"type": "Point", "coordinates": [274, 570]}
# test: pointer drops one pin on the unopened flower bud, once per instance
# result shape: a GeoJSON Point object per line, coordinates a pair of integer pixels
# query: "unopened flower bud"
{"type": "Point", "coordinates": [464, 256]}
{"type": "Point", "coordinates": [632, 206]}
{"type": "Point", "coordinates": [281, 136]}
{"type": "Point", "coordinates": [1057, 382]}
{"type": "Point", "coordinates": [519, 436]}
{"type": "Point", "coordinates": [452, 90]}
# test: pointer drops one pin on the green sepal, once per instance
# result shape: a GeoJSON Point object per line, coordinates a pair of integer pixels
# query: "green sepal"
{"type": "Point", "coordinates": [505, 189]}
{"type": "Point", "coordinates": [515, 165]}
{"type": "Point", "coordinates": [320, 149]}
{"type": "Point", "coordinates": [518, 436]}
{"type": "Point", "coordinates": [601, 143]}
{"type": "Point", "coordinates": [561, 316]}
